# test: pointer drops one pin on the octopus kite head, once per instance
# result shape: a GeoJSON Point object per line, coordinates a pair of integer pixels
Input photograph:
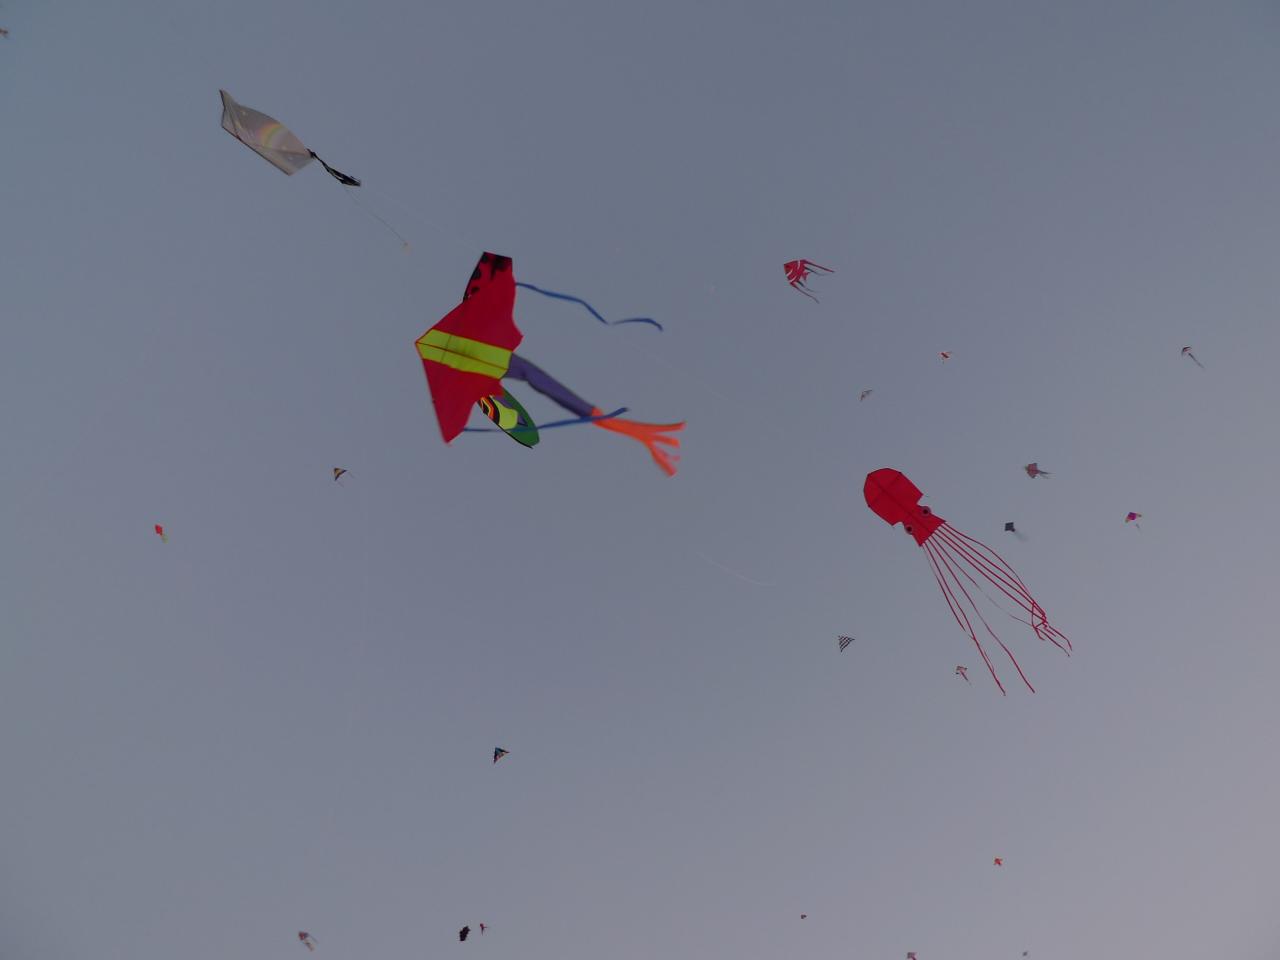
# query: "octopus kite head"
{"type": "Point", "coordinates": [895, 499]}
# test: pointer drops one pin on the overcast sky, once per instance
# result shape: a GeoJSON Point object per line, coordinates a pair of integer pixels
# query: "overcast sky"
{"type": "Point", "coordinates": [283, 718]}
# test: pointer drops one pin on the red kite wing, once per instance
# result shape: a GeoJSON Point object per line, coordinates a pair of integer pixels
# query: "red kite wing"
{"type": "Point", "coordinates": [466, 354]}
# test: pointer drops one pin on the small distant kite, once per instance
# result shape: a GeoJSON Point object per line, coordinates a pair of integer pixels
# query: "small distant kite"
{"type": "Point", "coordinates": [462, 934]}
{"type": "Point", "coordinates": [954, 555]}
{"type": "Point", "coordinates": [161, 534]}
{"type": "Point", "coordinates": [864, 394]}
{"type": "Point", "coordinates": [3, 32]}
{"type": "Point", "coordinates": [472, 349]}
{"type": "Point", "coordinates": [798, 271]}
{"type": "Point", "coordinates": [1186, 352]}
{"type": "Point", "coordinates": [945, 355]}
{"type": "Point", "coordinates": [307, 940]}
{"type": "Point", "coordinates": [1033, 471]}
{"type": "Point", "coordinates": [1133, 518]}
{"type": "Point", "coordinates": [498, 754]}
{"type": "Point", "coordinates": [1010, 528]}
{"type": "Point", "coordinates": [998, 862]}
{"type": "Point", "coordinates": [911, 955]}
{"type": "Point", "coordinates": [964, 672]}
{"type": "Point", "coordinates": [482, 929]}
{"type": "Point", "coordinates": [844, 642]}
{"type": "Point", "coordinates": [337, 472]}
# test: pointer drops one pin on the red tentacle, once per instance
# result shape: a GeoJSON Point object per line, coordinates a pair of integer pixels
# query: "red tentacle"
{"type": "Point", "coordinates": [961, 618]}
{"type": "Point", "coordinates": [948, 560]}
{"type": "Point", "coordinates": [997, 570]}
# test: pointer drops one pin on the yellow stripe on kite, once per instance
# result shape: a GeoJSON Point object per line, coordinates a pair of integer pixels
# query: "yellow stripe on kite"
{"type": "Point", "coordinates": [461, 353]}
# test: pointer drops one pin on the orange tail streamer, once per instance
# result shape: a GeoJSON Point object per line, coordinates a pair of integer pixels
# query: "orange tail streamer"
{"type": "Point", "coordinates": [650, 434]}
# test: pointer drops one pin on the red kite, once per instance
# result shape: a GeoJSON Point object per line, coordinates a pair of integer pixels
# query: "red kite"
{"type": "Point", "coordinates": [468, 354]}
{"type": "Point", "coordinates": [798, 271]}
{"type": "Point", "coordinates": [953, 555]}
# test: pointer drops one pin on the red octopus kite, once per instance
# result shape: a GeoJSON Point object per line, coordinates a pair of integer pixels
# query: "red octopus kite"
{"type": "Point", "coordinates": [954, 555]}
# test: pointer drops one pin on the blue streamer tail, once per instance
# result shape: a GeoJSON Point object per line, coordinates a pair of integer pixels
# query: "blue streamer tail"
{"type": "Point", "coordinates": [590, 309]}
{"type": "Point", "coordinates": [555, 423]}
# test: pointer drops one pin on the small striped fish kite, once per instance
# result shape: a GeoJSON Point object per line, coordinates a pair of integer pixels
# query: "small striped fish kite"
{"type": "Point", "coordinates": [844, 642]}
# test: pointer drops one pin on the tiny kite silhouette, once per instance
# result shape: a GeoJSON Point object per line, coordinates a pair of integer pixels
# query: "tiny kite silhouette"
{"type": "Point", "coordinates": [498, 754]}
{"type": "Point", "coordinates": [998, 862]}
{"type": "Point", "coordinates": [911, 955]}
{"type": "Point", "coordinates": [1133, 518]}
{"type": "Point", "coordinates": [482, 929]}
{"type": "Point", "coordinates": [945, 355]}
{"type": "Point", "coordinates": [462, 934]}
{"type": "Point", "coordinates": [3, 32]}
{"type": "Point", "coordinates": [337, 472]}
{"type": "Point", "coordinates": [161, 534]}
{"type": "Point", "coordinates": [1186, 352]}
{"type": "Point", "coordinates": [954, 555]}
{"type": "Point", "coordinates": [964, 672]}
{"type": "Point", "coordinates": [844, 642]}
{"type": "Point", "coordinates": [307, 940]}
{"type": "Point", "coordinates": [1033, 471]}
{"type": "Point", "coordinates": [1017, 534]}
{"type": "Point", "coordinates": [798, 271]}
{"type": "Point", "coordinates": [864, 394]}
{"type": "Point", "coordinates": [804, 916]}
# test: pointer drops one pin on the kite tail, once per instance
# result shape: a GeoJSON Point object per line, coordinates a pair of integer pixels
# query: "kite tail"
{"type": "Point", "coordinates": [950, 564]}
{"type": "Point", "coordinates": [997, 571]}
{"type": "Point", "coordinates": [650, 434]}
{"type": "Point", "coordinates": [338, 175]}
{"type": "Point", "coordinates": [590, 309]}
{"type": "Point", "coordinates": [556, 423]}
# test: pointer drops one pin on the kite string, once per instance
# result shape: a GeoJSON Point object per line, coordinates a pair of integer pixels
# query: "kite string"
{"type": "Point", "coordinates": [349, 191]}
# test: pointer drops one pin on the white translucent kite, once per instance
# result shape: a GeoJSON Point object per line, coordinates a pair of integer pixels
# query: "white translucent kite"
{"type": "Point", "coordinates": [272, 140]}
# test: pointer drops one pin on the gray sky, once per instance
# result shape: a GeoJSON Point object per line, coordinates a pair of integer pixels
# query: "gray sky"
{"type": "Point", "coordinates": [283, 718]}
